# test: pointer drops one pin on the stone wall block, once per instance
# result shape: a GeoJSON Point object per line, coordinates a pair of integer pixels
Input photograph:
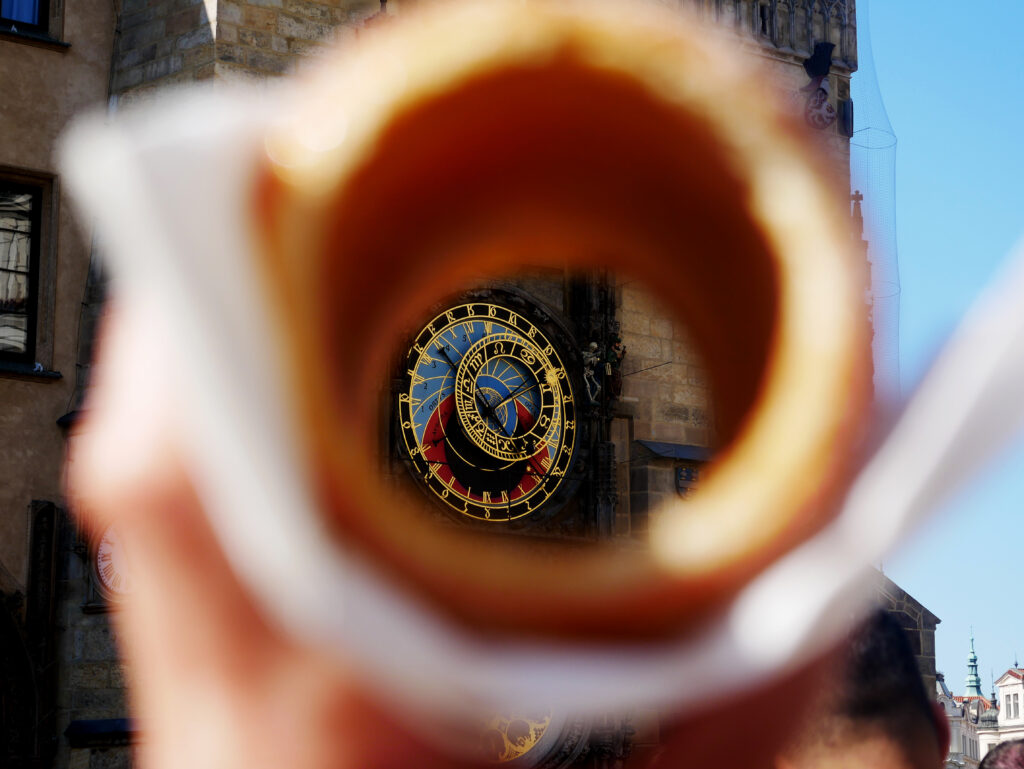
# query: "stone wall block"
{"type": "Point", "coordinates": [267, 62]}
{"type": "Point", "coordinates": [91, 675]}
{"type": "Point", "coordinates": [698, 436]}
{"type": "Point", "coordinates": [676, 412]}
{"type": "Point", "coordinates": [206, 71]}
{"type": "Point", "coordinates": [184, 21]}
{"type": "Point", "coordinates": [642, 346]}
{"type": "Point", "coordinates": [684, 352]}
{"type": "Point", "coordinates": [670, 432]}
{"type": "Point", "coordinates": [227, 33]}
{"type": "Point", "coordinates": [164, 48]}
{"type": "Point", "coordinates": [229, 12]}
{"type": "Point", "coordinates": [260, 18]}
{"type": "Point", "coordinates": [110, 758]}
{"type": "Point", "coordinates": [199, 36]}
{"type": "Point", "coordinates": [638, 387]}
{"type": "Point", "coordinates": [668, 346]}
{"type": "Point", "coordinates": [697, 376]}
{"type": "Point", "coordinates": [633, 368]}
{"type": "Point", "coordinates": [356, 11]}
{"type": "Point", "coordinates": [659, 372]}
{"type": "Point", "coordinates": [98, 703]}
{"type": "Point", "coordinates": [132, 20]}
{"type": "Point", "coordinates": [155, 70]}
{"type": "Point", "coordinates": [928, 644]}
{"type": "Point", "coordinates": [231, 53]}
{"type": "Point", "coordinates": [230, 72]}
{"type": "Point", "coordinates": [118, 676]}
{"type": "Point", "coordinates": [98, 644]}
{"type": "Point", "coordinates": [689, 395]}
{"type": "Point", "coordinates": [196, 57]}
{"type": "Point", "coordinates": [289, 26]}
{"type": "Point", "coordinates": [634, 322]}
{"type": "Point", "coordinates": [128, 78]}
{"type": "Point", "coordinates": [254, 38]}
{"type": "Point", "coordinates": [136, 57]}
{"type": "Point", "coordinates": [306, 48]}
{"type": "Point", "coordinates": [309, 10]}
{"type": "Point", "coordinates": [142, 35]}
{"type": "Point", "coordinates": [641, 430]}
{"type": "Point", "coordinates": [133, 6]}
{"type": "Point", "coordinates": [662, 477]}
{"type": "Point", "coordinates": [633, 300]}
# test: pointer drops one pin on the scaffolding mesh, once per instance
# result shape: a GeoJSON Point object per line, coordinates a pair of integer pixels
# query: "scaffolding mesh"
{"type": "Point", "coordinates": [873, 174]}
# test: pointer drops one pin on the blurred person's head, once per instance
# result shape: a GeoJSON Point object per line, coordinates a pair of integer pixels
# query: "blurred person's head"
{"type": "Point", "coordinates": [1005, 755]}
{"type": "Point", "coordinates": [876, 712]}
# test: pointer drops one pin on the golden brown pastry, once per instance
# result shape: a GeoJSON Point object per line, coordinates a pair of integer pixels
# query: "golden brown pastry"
{"type": "Point", "coordinates": [465, 139]}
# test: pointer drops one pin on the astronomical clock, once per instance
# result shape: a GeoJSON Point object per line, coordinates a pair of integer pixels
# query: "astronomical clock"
{"type": "Point", "coordinates": [489, 413]}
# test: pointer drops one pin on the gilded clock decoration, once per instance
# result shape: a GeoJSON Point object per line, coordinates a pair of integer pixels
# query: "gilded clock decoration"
{"type": "Point", "coordinates": [488, 412]}
{"type": "Point", "coordinates": [507, 737]}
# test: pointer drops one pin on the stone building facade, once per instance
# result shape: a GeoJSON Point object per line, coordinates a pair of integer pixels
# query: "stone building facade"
{"type": "Point", "coordinates": [978, 723]}
{"type": "Point", "coordinates": [58, 661]}
{"type": "Point", "coordinates": [1004, 721]}
{"type": "Point", "coordinates": [63, 690]}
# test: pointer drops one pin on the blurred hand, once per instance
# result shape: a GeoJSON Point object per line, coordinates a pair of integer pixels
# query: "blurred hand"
{"type": "Point", "coordinates": [211, 679]}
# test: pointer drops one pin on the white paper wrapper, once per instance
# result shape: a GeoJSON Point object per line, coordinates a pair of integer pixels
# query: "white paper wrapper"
{"type": "Point", "coordinates": [168, 187]}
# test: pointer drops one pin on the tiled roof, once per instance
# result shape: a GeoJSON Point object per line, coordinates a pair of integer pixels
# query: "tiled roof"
{"type": "Point", "coordinates": [1017, 673]}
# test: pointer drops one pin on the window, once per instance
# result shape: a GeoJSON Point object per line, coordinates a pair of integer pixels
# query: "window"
{"type": "Point", "coordinates": [24, 15]}
{"type": "Point", "coordinates": [1007, 707]}
{"type": "Point", "coordinates": [1016, 706]}
{"type": "Point", "coordinates": [20, 215]}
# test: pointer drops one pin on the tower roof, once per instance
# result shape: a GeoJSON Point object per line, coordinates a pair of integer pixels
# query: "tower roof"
{"type": "Point", "coordinates": [973, 679]}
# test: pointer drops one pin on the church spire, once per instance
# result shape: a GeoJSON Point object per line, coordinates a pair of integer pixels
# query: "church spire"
{"type": "Point", "coordinates": [973, 679]}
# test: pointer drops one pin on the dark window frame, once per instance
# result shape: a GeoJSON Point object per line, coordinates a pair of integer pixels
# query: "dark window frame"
{"type": "Point", "coordinates": [42, 27]}
{"type": "Point", "coordinates": [37, 191]}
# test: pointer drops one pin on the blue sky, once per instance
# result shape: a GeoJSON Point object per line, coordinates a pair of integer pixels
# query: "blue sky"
{"type": "Point", "coordinates": [952, 79]}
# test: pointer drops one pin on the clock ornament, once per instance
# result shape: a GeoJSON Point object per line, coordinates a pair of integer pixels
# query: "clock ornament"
{"type": "Point", "coordinates": [110, 565]}
{"type": "Point", "coordinates": [487, 412]}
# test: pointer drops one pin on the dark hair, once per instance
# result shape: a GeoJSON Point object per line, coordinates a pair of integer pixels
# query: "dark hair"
{"type": "Point", "coordinates": [881, 680]}
{"type": "Point", "coordinates": [1005, 755]}
{"type": "Point", "coordinates": [878, 691]}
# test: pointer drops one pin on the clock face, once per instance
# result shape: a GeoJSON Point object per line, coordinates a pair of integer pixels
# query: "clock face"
{"type": "Point", "coordinates": [111, 564]}
{"type": "Point", "coordinates": [487, 412]}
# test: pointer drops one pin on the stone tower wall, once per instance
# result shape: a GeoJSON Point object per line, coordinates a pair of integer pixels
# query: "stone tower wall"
{"type": "Point", "coordinates": [172, 42]}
